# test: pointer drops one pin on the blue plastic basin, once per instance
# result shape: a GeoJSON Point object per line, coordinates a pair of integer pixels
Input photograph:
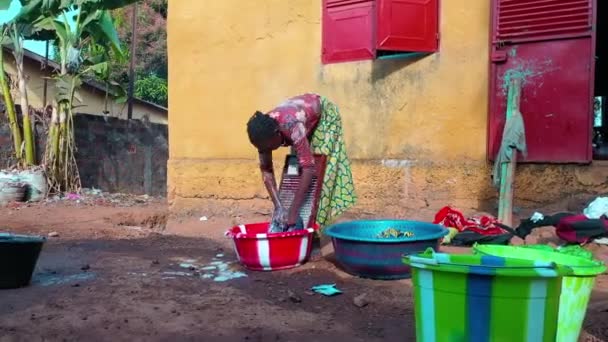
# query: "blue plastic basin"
{"type": "Point", "coordinates": [360, 251]}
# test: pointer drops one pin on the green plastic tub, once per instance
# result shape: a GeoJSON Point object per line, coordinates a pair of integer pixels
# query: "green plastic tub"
{"type": "Point", "coordinates": [485, 298]}
{"type": "Point", "coordinates": [576, 288]}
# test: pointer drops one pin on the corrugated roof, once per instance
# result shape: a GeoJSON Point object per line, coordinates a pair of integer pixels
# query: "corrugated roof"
{"type": "Point", "coordinates": [91, 83]}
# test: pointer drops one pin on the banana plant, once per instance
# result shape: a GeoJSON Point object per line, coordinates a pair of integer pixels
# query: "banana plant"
{"type": "Point", "coordinates": [17, 31]}
{"type": "Point", "coordinates": [12, 36]}
{"type": "Point", "coordinates": [48, 20]}
{"type": "Point", "coordinates": [6, 90]}
{"type": "Point", "coordinates": [9, 104]}
{"type": "Point", "coordinates": [96, 56]}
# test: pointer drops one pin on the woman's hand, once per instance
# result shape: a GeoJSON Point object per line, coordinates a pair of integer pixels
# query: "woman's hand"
{"type": "Point", "coordinates": [292, 217]}
{"type": "Point", "coordinates": [280, 215]}
{"type": "Point", "coordinates": [278, 222]}
{"type": "Point", "coordinates": [294, 221]}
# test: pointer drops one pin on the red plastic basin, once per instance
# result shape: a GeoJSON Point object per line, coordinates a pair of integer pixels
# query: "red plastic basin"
{"type": "Point", "coordinates": [259, 250]}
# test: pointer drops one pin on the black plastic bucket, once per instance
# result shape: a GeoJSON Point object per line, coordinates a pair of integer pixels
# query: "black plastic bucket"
{"type": "Point", "coordinates": [18, 257]}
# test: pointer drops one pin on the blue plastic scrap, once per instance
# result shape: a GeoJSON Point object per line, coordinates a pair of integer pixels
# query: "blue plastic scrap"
{"type": "Point", "coordinates": [326, 289]}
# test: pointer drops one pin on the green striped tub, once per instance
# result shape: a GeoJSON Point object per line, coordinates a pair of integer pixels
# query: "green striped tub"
{"type": "Point", "coordinates": [476, 298]}
{"type": "Point", "coordinates": [576, 288]}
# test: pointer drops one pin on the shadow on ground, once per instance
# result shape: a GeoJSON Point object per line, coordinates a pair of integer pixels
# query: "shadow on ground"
{"type": "Point", "coordinates": [155, 289]}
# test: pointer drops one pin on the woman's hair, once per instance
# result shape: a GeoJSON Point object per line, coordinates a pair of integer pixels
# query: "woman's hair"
{"type": "Point", "coordinates": [261, 127]}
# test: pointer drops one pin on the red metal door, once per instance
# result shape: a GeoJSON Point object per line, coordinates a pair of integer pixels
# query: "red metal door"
{"type": "Point", "coordinates": [550, 45]}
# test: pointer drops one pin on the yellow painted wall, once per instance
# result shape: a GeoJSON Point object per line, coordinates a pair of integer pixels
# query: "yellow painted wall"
{"type": "Point", "coordinates": [415, 129]}
{"type": "Point", "coordinates": [231, 57]}
{"type": "Point", "coordinates": [93, 99]}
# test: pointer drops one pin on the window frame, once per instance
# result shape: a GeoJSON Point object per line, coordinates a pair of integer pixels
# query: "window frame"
{"type": "Point", "coordinates": [342, 43]}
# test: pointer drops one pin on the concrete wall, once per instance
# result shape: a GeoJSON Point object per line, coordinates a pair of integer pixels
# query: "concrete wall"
{"type": "Point", "coordinates": [113, 155]}
{"type": "Point", "coordinates": [122, 156]}
{"type": "Point", "coordinates": [415, 129]}
{"type": "Point", "coordinates": [93, 100]}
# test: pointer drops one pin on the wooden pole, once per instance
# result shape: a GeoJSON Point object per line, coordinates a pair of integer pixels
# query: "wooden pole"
{"type": "Point", "coordinates": [44, 67]}
{"type": "Point", "coordinates": [132, 62]}
{"type": "Point", "coordinates": [507, 174]}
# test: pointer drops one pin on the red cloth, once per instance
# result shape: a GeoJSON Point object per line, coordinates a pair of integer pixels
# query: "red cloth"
{"type": "Point", "coordinates": [580, 229]}
{"type": "Point", "coordinates": [453, 218]}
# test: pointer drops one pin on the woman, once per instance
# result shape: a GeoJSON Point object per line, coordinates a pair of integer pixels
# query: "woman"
{"type": "Point", "coordinates": [311, 124]}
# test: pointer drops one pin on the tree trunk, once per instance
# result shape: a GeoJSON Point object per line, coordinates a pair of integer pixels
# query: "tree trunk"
{"type": "Point", "coordinates": [28, 135]}
{"type": "Point", "coordinates": [53, 138]}
{"type": "Point", "coordinates": [10, 109]}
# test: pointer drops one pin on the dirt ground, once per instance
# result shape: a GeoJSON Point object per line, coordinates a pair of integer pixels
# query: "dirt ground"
{"type": "Point", "coordinates": [112, 273]}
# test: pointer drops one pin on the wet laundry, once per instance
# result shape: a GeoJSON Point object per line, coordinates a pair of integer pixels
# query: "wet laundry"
{"type": "Point", "coordinates": [483, 229]}
{"type": "Point", "coordinates": [453, 218]}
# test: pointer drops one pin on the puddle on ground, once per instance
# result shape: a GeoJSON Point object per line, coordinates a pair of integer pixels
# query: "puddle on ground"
{"type": "Point", "coordinates": [52, 279]}
{"type": "Point", "coordinates": [217, 270]}
{"type": "Point", "coordinates": [141, 274]}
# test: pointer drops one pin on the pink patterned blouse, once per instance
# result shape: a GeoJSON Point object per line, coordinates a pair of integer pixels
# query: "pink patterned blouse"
{"type": "Point", "coordinates": [297, 118]}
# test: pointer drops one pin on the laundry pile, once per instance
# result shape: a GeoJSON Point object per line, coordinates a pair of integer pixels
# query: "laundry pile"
{"type": "Point", "coordinates": [572, 227]}
{"type": "Point", "coordinates": [579, 228]}
{"type": "Point", "coordinates": [467, 231]}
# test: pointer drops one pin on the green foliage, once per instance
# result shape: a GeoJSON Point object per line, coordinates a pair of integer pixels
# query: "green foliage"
{"type": "Point", "coordinates": [150, 48]}
{"type": "Point", "coordinates": [93, 21]}
{"type": "Point", "coordinates": [99, 64]}
{"type": "Point", "coordinates": [66, 86]}
{"type": "Point", "coordinates": [84, 50]}
{"type": "Point", "coordinates": [153, 89]}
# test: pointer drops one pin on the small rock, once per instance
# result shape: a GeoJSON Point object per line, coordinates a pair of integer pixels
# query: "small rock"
{"type": "Point", "coordinates": [310, 293]}
{"type": "Point", "coordinates": [361, 301]}
{"type": "Point", "coordinates": [532, 240]}
{"type": "Point", "coordinates": [547, 233]}
{"type": "Point", "coordinates": [155, 262]}
{"type": "Point", "coordinates": [85, 267]}
{"type": "Point", "coordinates": [294, 297]}
{"type": "Point", "coordinates": [76, 285]}
{"type": "Point", "coordinates": [517, 241]}
{"type": "Point", "coordinates": [53, 234]}
{"type": "Point", "coordinates": [85, 318]}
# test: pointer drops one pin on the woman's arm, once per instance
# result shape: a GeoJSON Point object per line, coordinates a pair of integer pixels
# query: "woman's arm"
{"type": "Point", "coordinates": [268, 177]}
{"type": "Point", "coordinates": [300, 196]}
{"type": "Point", "coordinates": [307, 162]}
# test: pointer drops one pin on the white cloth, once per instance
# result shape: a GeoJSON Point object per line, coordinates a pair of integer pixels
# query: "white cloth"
{"type": "Point", "coordinates": [597, 208]}
{"type": "Point", "coordinates": [537, 217]}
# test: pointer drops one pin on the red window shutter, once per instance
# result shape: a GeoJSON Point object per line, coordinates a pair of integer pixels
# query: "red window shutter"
{"type": "Point", "coordinates": [408, 25]}
{"type": "Point", "coordinates": [525, 20]}
{"type": "Point", "coordinates": [347, 30]}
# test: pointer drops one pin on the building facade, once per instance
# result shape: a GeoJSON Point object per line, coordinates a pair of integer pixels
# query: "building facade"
{"type": "Point", "coordinates": [417, 101]}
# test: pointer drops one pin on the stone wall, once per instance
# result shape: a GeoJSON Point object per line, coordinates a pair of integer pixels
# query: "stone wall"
{"type": "Point", "coordinates": [114, 155]}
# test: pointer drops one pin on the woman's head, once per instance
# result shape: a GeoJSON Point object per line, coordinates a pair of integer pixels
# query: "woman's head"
{"type": "Point", "coordinates": [264, 132]}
